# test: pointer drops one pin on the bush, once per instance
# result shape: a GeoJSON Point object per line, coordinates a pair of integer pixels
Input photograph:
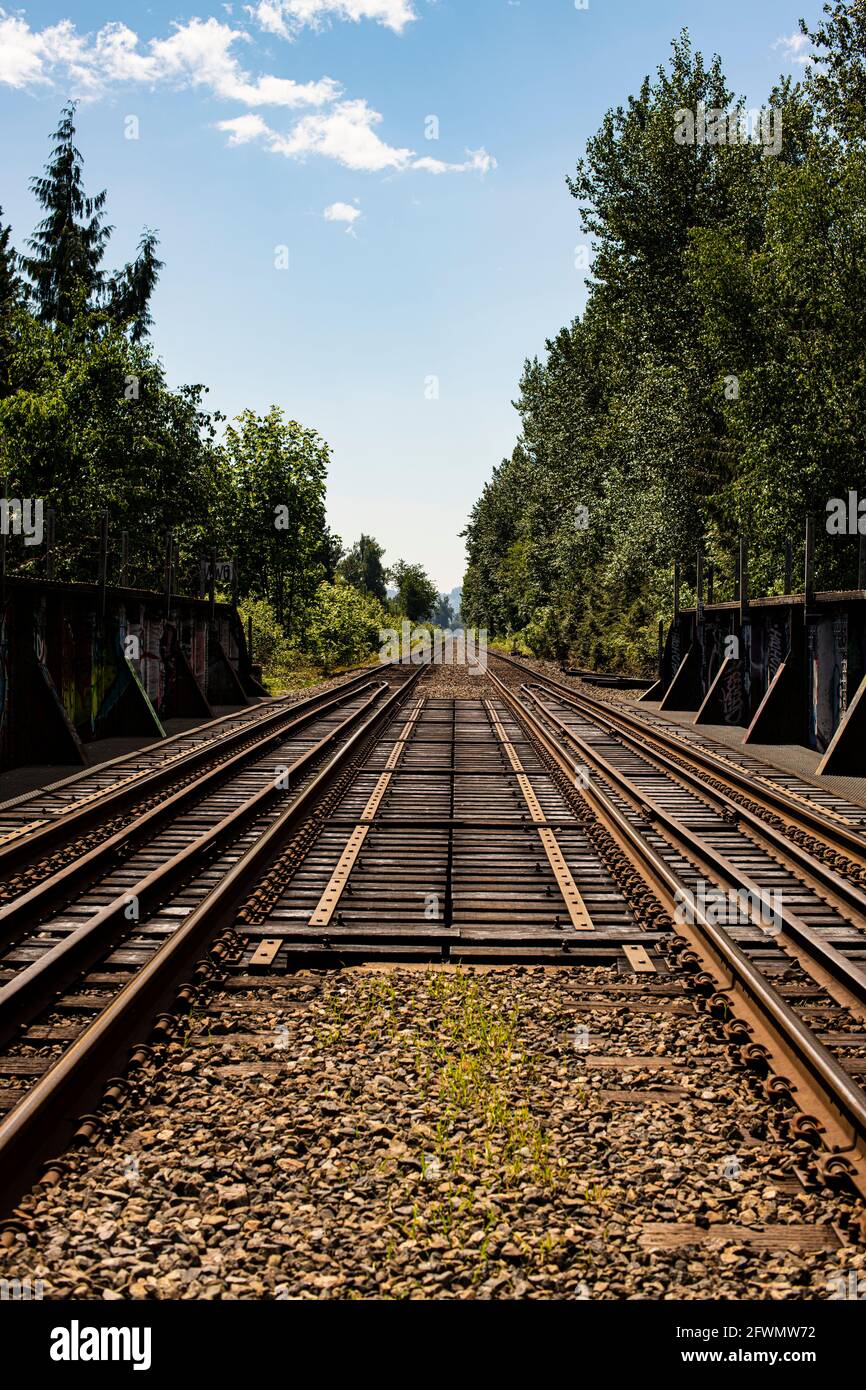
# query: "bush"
{"type": "Point", "coordinates": [271, 647]}
{"type": "Point", "coordinates": [343, 626]}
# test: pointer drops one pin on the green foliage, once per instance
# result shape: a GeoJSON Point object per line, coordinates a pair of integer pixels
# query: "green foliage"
{"type": "Point", "coordinates": [343, 626]}
{"type": "Point", "coordinates": [10, 283]}
{"type": "Point", "coordinates": [838, 81]}
{"type": "Point", "coordinates": [69, 244]}
{"type": "Point", "coordinates": [274, 521]}
{"type": "Point", "coordinates": [270, 647]}
{"type": "Point", "coordinates": [362, 568]}
{"type": "Point", "coordinates": [713, 388]}
{"type": "Point", "coordinates": [416, 593]}
{"type": "Point", "coordinates": [10, 297]}
{"type": "Point", "coordinates": [87, 423]}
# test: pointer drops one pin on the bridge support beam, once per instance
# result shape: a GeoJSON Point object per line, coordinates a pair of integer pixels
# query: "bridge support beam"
{"type": "Point", "coordinates": [846, 754]}
{"type": "Point", "coordinates": [224, 686]}
{"type": "Point", "coordinates": [684, 691]}
{"type": "Point", "coordinates": [725, 700]}
{"type": "Point", "coordinates": [779, 716]}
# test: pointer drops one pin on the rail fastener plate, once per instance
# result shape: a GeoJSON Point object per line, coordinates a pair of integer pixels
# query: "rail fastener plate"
{"type": "Point", "coordinates": [266, 952]}
{"type": "Point", "coordinates": [639, 960]}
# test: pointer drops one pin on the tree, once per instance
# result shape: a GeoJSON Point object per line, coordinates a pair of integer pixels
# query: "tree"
{"type": "Point", "coordinates": [362, 568]}
{"type": "Point", "coordinates": [275, 522]}
{"type": "Point", "coordinates": [710, 387]}
{"type": "Point", "coordinates": [10, 282]}
{"type": "Point", "coordinates": [837, 80]}
{"type": "Point", "coordinates": [69, 244]}
{"type": "Point", "coordinates": [344, 625]}
{"type": "Point", "coordinates": [443, 613]}
{"type": "Point", "coordinates": [130, 291]}
{"type": "Point", "coordinates": [416, 592]}
{"type": "Point", "coordinates": [330, 551]}
{"type": "Point", "coordinates": [10, 297]}
{"type": "Point", "coordinates": [89, 423]}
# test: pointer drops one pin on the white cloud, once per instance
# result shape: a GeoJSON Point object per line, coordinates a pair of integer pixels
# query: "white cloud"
{"type": "Point", "coordinates": [286, 17]}
{"type": "Point", "coordinates": [479, 161]}
{"type": "Point", "coordinates": [203, 53]}
{"type": "Point", "coordinates": [343, 212]}
{"type": "Point", "coordinates": [197, 54]}
{"type": "Point", "coordinates": [795, 47]}
{"type": "Point", "coordinates": [346, 135]}
{"type": "Point", "coordinates": [22, 51]}
{"type": "Point", "coordinates": [243, 129]}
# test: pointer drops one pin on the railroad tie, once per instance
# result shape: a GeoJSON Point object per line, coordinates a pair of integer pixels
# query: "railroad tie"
{"type": "Point", "coordinates": [329, 900]}
{"type": "Point", "coordinates": [577, 909]}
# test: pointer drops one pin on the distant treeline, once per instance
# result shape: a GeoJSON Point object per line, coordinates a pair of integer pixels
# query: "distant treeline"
{"type": "Point", "coordinates": [715, 386]}
{"type": "Point", "coordinates": [89, 425]}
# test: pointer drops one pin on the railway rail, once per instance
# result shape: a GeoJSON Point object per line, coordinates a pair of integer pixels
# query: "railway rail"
{"type": "Point", "coordinates": [391, 820]}
{"type": "Point", "coordinates": [748, 903]}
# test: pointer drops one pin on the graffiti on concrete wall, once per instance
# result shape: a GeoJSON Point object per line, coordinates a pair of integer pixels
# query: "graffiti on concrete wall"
{"type": "Point", "coordinates": [731, 692]}
{"type": "Point", "coordinates": [778, 643]}
{"type": "Point", "coordinates": [827, 662]}
{"type": "Point", "coordinates": [98, 672]}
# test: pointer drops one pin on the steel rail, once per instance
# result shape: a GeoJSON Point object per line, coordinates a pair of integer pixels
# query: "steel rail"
{"type": "Point", "coordinates": [39, 898]}
{"type": "Point", "coordinates": [19, 848]}
{"type": "Point", "coordinates": [838, 833]}
{"type": "Point", "coordinates": [32, 989]}
{"type": "Point", "coordinates": [793, 1039]}
{"type": "Point", "coordinates": [821, 951]}
{"type": "Point", "coordinates": [47, 1113]}
{"type": "Point", "coordinates": [853, 896]}
{"type": "Point", "coordinates": [13, 803]}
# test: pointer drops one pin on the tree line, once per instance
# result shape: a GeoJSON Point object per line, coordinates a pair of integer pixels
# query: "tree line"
{"type": "Point", "coordinates": [714, 387]}
{"type": "Point", "coordinates": [89, 424]}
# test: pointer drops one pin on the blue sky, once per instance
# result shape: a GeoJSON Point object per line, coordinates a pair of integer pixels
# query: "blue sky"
{"type": "Point", "coordinates": [450, 258]}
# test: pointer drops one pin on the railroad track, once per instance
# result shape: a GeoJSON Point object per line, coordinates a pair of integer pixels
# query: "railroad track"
{"type": "Point", "coordinates": [87, 949]}
{"type": "Point", "coordinates": [519, 826]}
{"type": "Point", "coordinates": [44, 829]}
{"type": "Point", "coordinates": [750, 901]}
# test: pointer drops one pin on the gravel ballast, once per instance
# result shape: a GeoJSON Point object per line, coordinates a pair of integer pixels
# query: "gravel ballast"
{"type": "Point", "coordinates": [442, 1133]}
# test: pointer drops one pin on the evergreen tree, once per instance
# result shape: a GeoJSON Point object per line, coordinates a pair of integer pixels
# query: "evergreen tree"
{"type": "Point", "coordinates": [69, 244]}
{"type": "Point", "coordinates": [10, 284]}
{"type": "Point", "coordinates": [130, 290]}
{"type": "Point", "coordinates": [10, 297]}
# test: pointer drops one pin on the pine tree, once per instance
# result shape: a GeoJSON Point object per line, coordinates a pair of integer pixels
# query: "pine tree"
{"type": "Point", "coordinates": [129, 291]}
{"type": "Point", "coordinates": [10, 284]}
{"type": "Point", "coordinates": [10, 295]}
{"type": "Point", "coordinates": [69, 243]}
